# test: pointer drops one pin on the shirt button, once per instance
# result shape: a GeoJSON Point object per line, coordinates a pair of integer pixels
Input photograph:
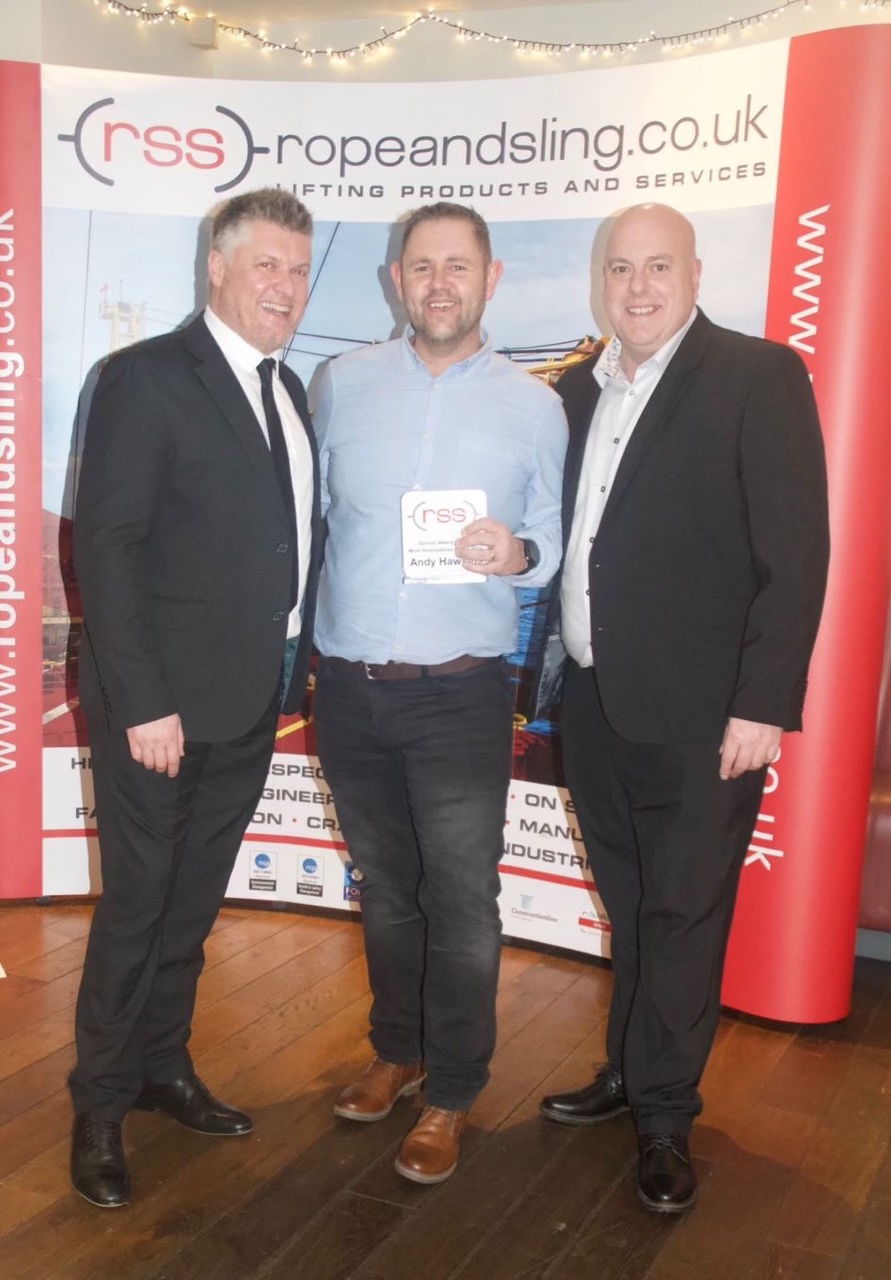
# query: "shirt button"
{"type": "Point", "coordinates": [603, 488]}
{"type": "Point", "coordinates": [616, 439]}
{"type": "Point", "coordinates": [277, 616]}
{"type": "Point", "coordinates": [282, 548]}
{"type": "Point", "coordinates": [588, 592]}
{"type": "Point", "coordinates": [632, 392]}
{"type": "Point", "coordinates": [591, 539]}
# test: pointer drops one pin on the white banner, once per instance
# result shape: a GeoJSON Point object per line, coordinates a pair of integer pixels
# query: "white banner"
{"type": "Point", "coordinates": [563, 146]}
{"type": "Point", "coordinates": [131, 166]}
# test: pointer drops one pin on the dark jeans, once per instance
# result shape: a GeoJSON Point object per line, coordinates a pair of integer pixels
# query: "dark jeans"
{"type": "Point", "coordinates": [168, 846]}
{"type": "Point", "coordinates": [666, 839]}
{"type": "Point", "coordinates": [419, 771]}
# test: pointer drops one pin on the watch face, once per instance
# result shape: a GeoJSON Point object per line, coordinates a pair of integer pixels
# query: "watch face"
{"type": "Point", "coordinates": [531, 551]}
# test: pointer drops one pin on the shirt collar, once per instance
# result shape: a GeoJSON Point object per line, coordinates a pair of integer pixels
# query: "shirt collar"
{"type": "Point", "coordinates": [457, 370]}
{"type": "Point", "coordinates": [240, 354]}
{"type": "Point", "coordinates": [608, 363]}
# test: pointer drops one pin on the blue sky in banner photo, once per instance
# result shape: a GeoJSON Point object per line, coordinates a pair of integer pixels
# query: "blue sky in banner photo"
{"type": "Point", "coordinates": [101, 268]}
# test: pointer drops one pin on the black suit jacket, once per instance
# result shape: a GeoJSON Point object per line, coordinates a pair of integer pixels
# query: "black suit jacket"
{"type": "Point", "coordinates": [181, 544]}
{"type": "Point", "coordinates": [708, 569]}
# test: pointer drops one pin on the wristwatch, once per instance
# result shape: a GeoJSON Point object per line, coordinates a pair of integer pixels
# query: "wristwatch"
{"type": "Point", "coordinates": [532, 554]}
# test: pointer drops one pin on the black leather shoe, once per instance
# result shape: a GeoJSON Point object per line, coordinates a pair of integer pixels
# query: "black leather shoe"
{"type": "Point", "coordinates": [600, 1100]}
{"type": "Point", "coordinates": [190, 1102]}
{"type": "Point", "coordinates": [98, 1168]}
{"type": "Point", "coordinates": [666, 1179]}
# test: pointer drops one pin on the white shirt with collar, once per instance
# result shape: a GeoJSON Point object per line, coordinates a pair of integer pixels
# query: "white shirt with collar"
{"type": "Point", "coordinates": [243, 359]}
{"type": "Point", "coordinates": [618, 410]}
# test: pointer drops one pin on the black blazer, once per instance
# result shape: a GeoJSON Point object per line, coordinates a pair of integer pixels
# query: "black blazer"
{"type": "Point", "coordinates": [181, 544]}
{"type": "Point", "coordinates": [708, 570]}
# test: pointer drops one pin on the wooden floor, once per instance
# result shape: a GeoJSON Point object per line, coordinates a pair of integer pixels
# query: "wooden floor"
{"type": "Point", "coordinates": [793, 1148]}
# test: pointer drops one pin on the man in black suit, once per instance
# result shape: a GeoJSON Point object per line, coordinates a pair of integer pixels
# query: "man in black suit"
{"type": "Point", "coordinates": [197, 546]}
{"type": "Point", "coordinates": [697, 546]}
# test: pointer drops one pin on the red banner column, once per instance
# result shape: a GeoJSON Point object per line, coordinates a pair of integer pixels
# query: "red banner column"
{"type": "Point", "coordinates": [792, 947]}
{"type": "Point", "coordinates": [21, 577]}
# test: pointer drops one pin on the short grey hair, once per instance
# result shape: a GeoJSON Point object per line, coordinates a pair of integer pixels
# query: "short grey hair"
{"type": "Point", "coordinates": [267, 204]}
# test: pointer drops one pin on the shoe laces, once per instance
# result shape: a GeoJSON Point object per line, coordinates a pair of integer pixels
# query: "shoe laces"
{"type": "Point", "coordinates": [435, 1118]}
{"type": "Point", "coordinates": [666, 1142]}
{"type": "Point", "coordinates": [102, 1133]}
{"type": "Point", "coordinates": [392, 1068]}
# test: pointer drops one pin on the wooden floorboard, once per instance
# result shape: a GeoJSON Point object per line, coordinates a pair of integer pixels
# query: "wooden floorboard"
{"type": "Point", "coordinates": [793, 1148]}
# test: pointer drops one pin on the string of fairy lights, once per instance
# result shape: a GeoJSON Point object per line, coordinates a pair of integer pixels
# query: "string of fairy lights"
{"type": "Point", "coordinates": [175, 14]}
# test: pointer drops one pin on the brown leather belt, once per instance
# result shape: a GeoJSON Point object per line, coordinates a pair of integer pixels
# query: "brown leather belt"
{"type": "Point", "coordinates": [412, 670]}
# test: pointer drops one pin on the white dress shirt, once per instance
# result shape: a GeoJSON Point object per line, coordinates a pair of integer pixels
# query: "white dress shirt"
{"type": "Point", "coordinates": [243, 359]}
{"type": "Point", "coordinates": [618, 410]}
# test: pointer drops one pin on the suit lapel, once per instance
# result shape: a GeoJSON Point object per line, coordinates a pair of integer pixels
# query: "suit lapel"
{"type": "Point", "coordinates": [221, 384]}
{"type": "Point", "coordinates": [579, 412]}
{"type": "Point", "coordinates": [295, 390]}
{"type": "Point", "coordinates": [656, 417]}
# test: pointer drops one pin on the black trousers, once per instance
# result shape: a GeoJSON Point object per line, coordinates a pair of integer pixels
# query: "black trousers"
{"type": "Point", "coordinates": [419, 771]}
{"type": "Point", "coordinates": [167, 849]}
{"type": "Point", "coordinates": [666, 839]}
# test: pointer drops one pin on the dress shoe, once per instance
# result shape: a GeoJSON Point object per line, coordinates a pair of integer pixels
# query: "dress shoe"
{"type": "Point", "coordinates": [98, 1168]}
{"type": "Point", "coordinates": [378, 1089]}
{"type": "Point", "coordinates": [600, 1100]}
{"type": "Point", "coordinates": [190, 1102]}
{"type": "Point", "coordinates": [429, 1153]}
{"type": "Point", "coordinates": [666, 1179]}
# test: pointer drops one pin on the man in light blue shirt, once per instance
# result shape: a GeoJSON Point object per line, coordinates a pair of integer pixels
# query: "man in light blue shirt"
{"type": "Point", "coordinates": [441, 468]}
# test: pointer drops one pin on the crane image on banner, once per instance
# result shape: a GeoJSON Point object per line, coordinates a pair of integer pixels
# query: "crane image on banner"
{"type": "Point", "coordinates": [128, 320]}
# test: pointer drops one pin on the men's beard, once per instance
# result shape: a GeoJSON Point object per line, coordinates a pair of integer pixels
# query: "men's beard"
{"type": "Point", "coordinates": [445, 341]}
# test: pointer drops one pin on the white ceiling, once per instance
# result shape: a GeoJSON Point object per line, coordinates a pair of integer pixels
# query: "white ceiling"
{"type": "Point", "coordinates": [257, 12]}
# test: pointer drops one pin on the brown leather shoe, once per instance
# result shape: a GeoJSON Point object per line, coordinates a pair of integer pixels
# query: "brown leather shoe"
{"type": "Point", "coordinates": [429, 1153]}
{"type": "Point", "coordinates": [378, 1089]}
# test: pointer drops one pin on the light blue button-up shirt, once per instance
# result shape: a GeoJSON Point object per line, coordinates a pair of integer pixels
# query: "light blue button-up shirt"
{"type": "Point", "coordinates": [386, 426]}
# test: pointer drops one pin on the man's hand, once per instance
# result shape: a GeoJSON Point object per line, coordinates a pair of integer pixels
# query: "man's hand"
{"type": "Point", "coordinates": [158, 745]}
{"type": "Point", "coordinates": [488, 546]}
{"type": "Point", "coordinates": [748, 745]}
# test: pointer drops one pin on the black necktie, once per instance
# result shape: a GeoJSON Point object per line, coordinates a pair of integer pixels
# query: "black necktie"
{"type": "Point", "coordinates": [280, 461]}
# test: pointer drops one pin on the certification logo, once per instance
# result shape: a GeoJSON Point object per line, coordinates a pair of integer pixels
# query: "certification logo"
{"type": "Point", "coordinates": [352, 881]}
{"type": "Point", "coordinates": [310, 878]}
{"type": "Point", "coordinates": [262, 874]}
{"type": "Point", "coordinates": [589, 923]}
{"type": "Point", "coordinates": [527, 910]}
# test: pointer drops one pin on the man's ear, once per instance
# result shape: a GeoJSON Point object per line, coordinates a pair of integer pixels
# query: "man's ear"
{"type": "Point", "coordinates": [215, 268]}
{"type": "Point", "coordinates": [396, 273]}
{"type": "Point", "coordinates": [494, 272]}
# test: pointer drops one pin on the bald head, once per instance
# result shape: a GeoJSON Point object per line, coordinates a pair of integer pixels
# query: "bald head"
{"type": "Point", "coordinates": [651, 279]}
{"type": "Point", "coordinates": [653, 220]}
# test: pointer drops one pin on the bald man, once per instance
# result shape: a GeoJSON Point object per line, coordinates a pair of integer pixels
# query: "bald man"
{"type": "Point", "coordinates": [695, 566]}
